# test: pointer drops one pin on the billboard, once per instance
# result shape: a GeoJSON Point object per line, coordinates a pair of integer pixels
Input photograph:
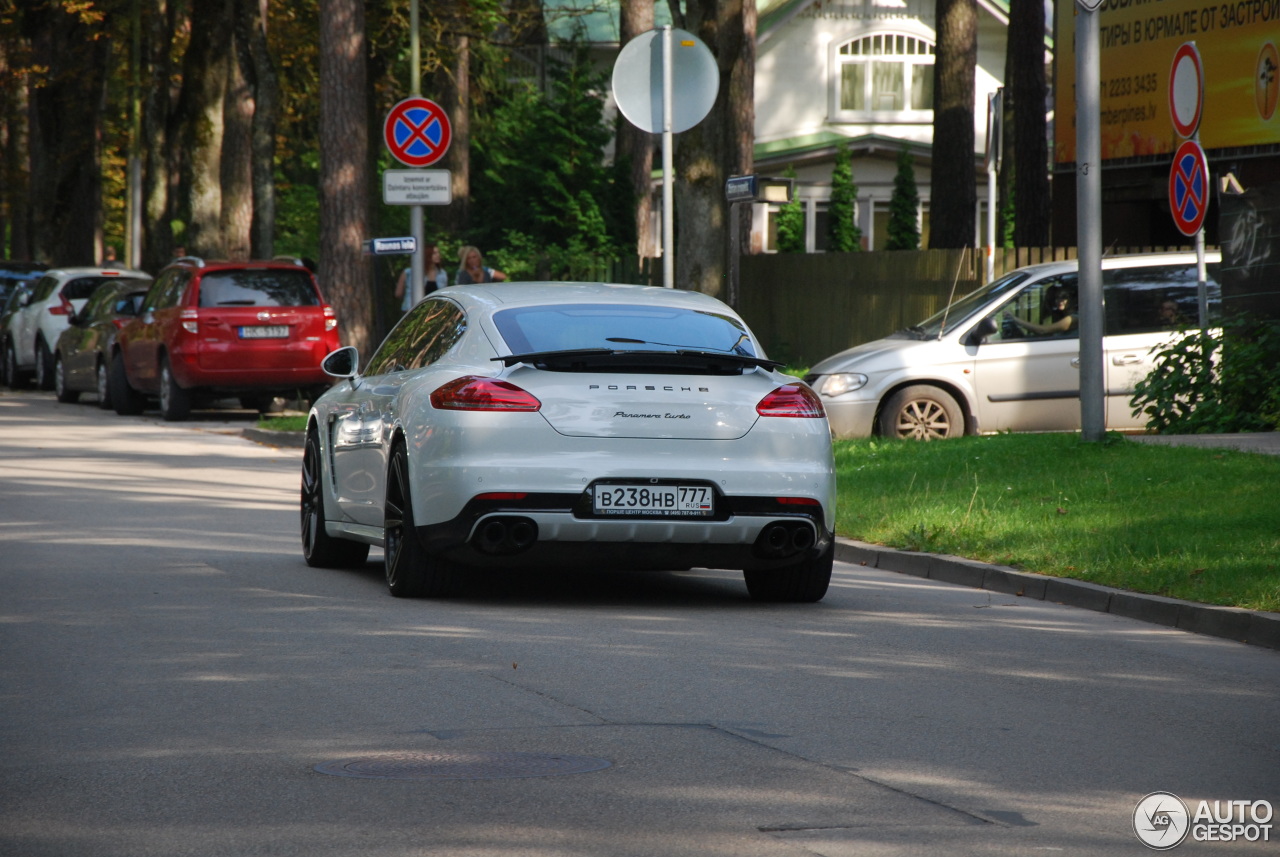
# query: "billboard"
{"type": "Point", "coordinates": [1238, 41]}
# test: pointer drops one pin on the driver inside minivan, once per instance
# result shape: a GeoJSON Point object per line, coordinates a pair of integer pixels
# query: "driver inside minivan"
{"type": "Point", "coordinates": [1059, 316]}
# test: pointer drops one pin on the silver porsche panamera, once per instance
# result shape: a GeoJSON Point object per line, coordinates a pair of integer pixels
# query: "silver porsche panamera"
{"type": "Point", "coordinates": [557, 424]}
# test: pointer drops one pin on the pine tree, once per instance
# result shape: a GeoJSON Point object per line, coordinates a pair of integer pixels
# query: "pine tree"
{"type": "Point", "coordinates": [791, 221]}
{"type": "Point", "coordinates": [843, 233]}
{"type": "Point", "coordinates": [904, 227]}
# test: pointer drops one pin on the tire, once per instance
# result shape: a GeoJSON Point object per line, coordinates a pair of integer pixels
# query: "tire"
{"type": "Point", "coordinates": [411, 571]}
{"type": "Point", "coordinates": [922, 412]}
{"type": "Point", "coordinates": [125, 400]}
{"type": "Point", "coordinates": [64, 395]}
{"type": "Point", "coordinates": [44, 366]}
{"type": "Point", "coordinates": [16, 378]}
{"type": "Point", "coordinates": [175, 401]}
{"type": "Point", "coordinates": [805, 582]}
{"type": "Point", "coordinates": [319, 549]}
{"type": "Point", "coordinates": [103, 378]}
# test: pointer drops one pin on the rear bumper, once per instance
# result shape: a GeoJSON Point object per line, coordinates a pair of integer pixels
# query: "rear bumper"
{"type": "Point", "coordinates": [566, 532]}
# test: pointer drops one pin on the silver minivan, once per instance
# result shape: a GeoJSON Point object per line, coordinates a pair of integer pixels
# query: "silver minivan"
{"type": "Point", "coordinates": [1006, 356]}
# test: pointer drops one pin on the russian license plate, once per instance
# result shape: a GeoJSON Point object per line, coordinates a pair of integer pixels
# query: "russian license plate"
{"type": "Point", "coordinates": [267, 331]}
{"type": "Point", "coordinates": [663, 501]}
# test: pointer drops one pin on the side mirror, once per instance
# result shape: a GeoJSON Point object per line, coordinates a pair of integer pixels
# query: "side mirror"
{"type": "Point", "coordinates": [981, 331]}
{"type": "Point", "coordinates": [342, 363]}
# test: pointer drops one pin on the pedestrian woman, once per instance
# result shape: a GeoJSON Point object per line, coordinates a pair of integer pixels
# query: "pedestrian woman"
{"type": "Point", "coordinates": [473, 269]}
{"type": "Point", "coordinates": [433, 277]}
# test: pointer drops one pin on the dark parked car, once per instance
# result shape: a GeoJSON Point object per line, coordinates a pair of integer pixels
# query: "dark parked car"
{"type": "Point", "coordinates": [209, 330]}
{"type": "Point", "coordinates": [82, 356]}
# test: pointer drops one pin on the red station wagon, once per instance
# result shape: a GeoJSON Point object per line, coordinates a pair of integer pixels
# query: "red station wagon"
{"type": "Point", "coordinates": [255, 330]}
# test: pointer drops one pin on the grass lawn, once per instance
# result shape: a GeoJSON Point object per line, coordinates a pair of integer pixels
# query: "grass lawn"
{"type": "Point", "coordinates": [1197, 524]}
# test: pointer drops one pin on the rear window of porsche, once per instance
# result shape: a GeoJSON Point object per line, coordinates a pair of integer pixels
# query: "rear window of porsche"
{"type": "Point", "coordinates": [620, 327]}
{"type": "Point", "coordinates": [257, 288]}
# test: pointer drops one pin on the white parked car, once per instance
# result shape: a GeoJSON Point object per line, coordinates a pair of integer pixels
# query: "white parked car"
{"type": "Point", "coordinates": [528, 424]}
{"type": "Point", "coordinates": [1006, 356]}
{"type": "Point", "coordinates": [33, 330]}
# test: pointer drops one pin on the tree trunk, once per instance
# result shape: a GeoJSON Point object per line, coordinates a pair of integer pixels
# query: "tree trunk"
{"type": "Point", "coordinates": [453, 84]}
{"type": "Point", "coordinates": [65, 128]}
{"type": "Point", "coordinates": [205, 73]}
{"type": "Point", "coordinates": [237, 153]}
{"type": "Point", "coordinates": [157, 229]}
{"type": "Point", "coordinates": [17, 158]}
{"type": "Point", "coordinates": [1025, 81]}
{"type": "Point", "coordinates": [345, 276]}
{"type": "Point", "coordinates": [953, 195]}
{"type": "Point", "coordinates": [717, 147]}
{"type": "Point", "coordinates": [265, 84]}
{"type": "Point", "coordinates": [635, 146]}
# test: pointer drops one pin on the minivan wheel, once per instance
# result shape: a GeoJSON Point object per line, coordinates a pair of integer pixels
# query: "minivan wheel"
{"type": "Point", "coordinates": [921, 412]}
{"type": "Point", "coordinates": [175, 401]}
{"type": "Point", "coordinates": [104, 385]}
{"type": "Point", "coordinates": [44, 366]}
{"type": "Point", "coordinates": [65, 395]}
{"type": "Point", "coordinates": [125, 400]}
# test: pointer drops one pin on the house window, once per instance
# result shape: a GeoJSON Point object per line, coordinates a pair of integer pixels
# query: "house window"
{"type": "Point", "coordinates": [884, 73]}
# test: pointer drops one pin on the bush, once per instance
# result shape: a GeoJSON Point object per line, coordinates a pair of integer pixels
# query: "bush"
{"type": "Point", "coordinates": [1209, 382]}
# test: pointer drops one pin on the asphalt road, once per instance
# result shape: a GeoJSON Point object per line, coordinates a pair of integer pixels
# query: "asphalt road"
{"type": "Point", "coordinates": [172, 675]}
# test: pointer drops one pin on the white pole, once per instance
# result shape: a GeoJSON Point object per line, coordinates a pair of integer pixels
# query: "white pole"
{"type": "Point", "coordinates": [416, 227]}
{"type": "Point", "coordinates": [668, 214]}
{"type": "Point", "coordinates": [991, 220]}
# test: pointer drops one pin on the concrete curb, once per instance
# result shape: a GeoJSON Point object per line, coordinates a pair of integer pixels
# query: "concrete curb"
{"type": "Point", "coordinates": [1254, 627]}
{"type": "Point", "coordinates": [295, 439]}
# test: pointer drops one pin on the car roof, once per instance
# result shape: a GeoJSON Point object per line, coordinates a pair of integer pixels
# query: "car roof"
{"type": "Point", "coordinates": [70, 273]}
{"type": "Point", "coordinates": [496, 296]}
{"type": "Point", "coordinates": [1126, 260]}
{"type": "Point", "coordinates": [206, 265]}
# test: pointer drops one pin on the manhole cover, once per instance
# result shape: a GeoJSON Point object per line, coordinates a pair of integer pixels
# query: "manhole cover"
{"type": "Point", "coordinates": [461, 766]}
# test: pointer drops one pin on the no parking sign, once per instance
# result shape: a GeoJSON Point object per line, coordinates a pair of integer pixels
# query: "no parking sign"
{"type": "Point", "coordinates": [417, 132]}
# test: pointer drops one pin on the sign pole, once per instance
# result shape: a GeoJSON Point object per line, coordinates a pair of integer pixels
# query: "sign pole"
{"type": "Point", "coordinates": [416, 228]}
{"type": "Point", "coordinates": [668, 195]}
{"type": "Point", "coordinates": [1089, 219]}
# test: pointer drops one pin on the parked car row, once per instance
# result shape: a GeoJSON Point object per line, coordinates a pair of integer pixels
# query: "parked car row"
{"type": "Point", "coordinates": [200, 331]}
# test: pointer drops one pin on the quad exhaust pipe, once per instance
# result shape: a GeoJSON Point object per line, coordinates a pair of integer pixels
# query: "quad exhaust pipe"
{"type": "Point", "coordinates": [779, 539]}
{"type": "Point", "coordinates": [502, 536]}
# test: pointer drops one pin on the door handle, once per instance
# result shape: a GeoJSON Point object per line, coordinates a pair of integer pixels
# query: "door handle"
{"type": "Point", "coordinates": [1126, 360]}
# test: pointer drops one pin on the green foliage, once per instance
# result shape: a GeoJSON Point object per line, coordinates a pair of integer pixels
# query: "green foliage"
{"type": "Point", "coordinates": [791, 221]}
{"type": "Point", "coordinates": [843, 234]}
{"type": "Point", "coordinates": [904, 227]}
{"type": "Point", "coordinates": [544, 203]}
{"type": "Point", "coordinates": [297, 219]}
{"type": "Point", "coordinates": [1215, 381]}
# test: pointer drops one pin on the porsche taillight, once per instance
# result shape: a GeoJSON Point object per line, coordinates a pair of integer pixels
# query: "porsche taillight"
{"type": "Point", "coordinates": [791, 400]}
{"type": "Point", "coordinates": [474, 393]}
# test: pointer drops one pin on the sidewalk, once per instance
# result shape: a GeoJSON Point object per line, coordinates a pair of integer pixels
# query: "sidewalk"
{"type": "Point", "coordinates": [1255, 627]}
{"type": "Point", "coordinates": [1267, 442]}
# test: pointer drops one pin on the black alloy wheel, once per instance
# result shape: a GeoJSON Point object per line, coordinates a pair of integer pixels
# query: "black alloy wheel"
{"type": "Point", "coordinates": [804, 582]}
{"type": "Point", "coordinates": [411, 571]}
{"type": "Point", "coordinates": [175, 401]}
{"type": "Point", "coordinates": [319, 549]}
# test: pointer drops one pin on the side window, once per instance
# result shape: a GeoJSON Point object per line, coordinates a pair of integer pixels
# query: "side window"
{"type": "Point", "coordinates": [168, 290]}
{"type": "Point", "coordinates": [421, 338]}
{"type": "Point", "coordinates": [43, 289]}
{"type": "Point", "coordinates": [1045, 308]}
{"type": "Point", "coordinates": [1156, 298]}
